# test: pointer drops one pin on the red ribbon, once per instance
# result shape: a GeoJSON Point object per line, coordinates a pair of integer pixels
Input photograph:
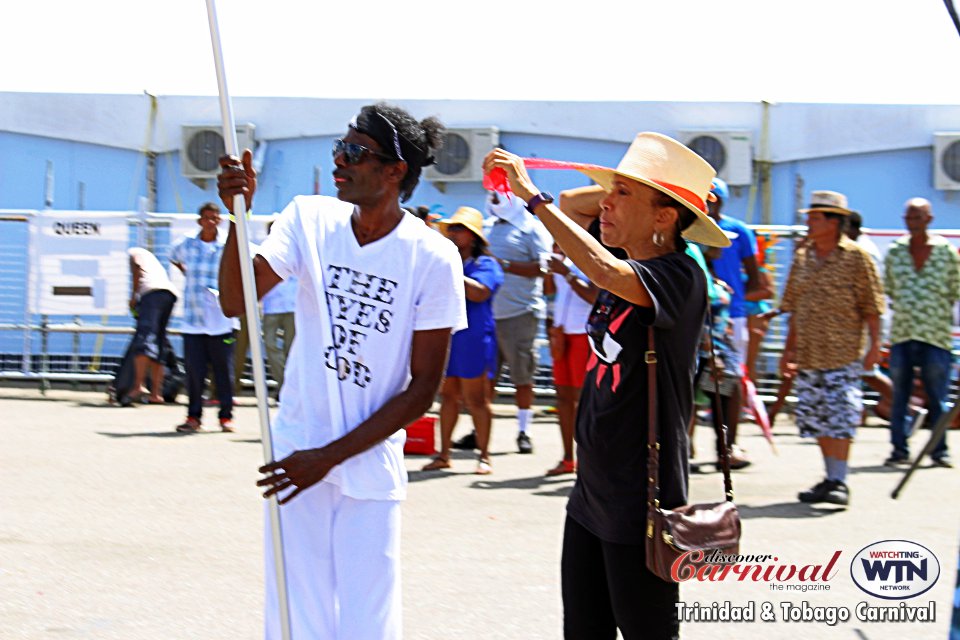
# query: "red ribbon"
{"type": "Point", "coordinates": [496, 180]}
{"type": "Point", "coordinates": [686, 194]}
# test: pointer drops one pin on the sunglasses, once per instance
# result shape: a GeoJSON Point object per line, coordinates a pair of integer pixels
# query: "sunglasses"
{"type": "Point", "coordinates": [355, 153]}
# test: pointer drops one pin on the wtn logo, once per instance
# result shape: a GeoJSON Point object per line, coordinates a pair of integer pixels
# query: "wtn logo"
{"type": "Point", "coordinates": [895, 569]}
{"type": "Point", "coordinates": [903, 569]}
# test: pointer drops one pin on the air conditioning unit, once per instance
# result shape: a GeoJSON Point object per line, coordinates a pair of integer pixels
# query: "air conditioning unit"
{"type": "Point", "coordinates": [946, 161]}
{"type": "Point", "coordinates": [730, 153]}
{"type": "Point", "coordinates": [202, 146]}
{"type": "Point", "coordinates": [461, 157]}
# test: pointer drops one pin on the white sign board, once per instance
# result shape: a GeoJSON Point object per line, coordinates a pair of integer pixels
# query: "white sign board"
{"type": "Point", "coordinates": [78, 263]}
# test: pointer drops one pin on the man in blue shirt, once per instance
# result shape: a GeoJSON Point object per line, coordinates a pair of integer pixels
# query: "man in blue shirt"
{"type": "Point", "coordinates": [207, 334]}
{"type": "Point", "coordinates": [736, 265]}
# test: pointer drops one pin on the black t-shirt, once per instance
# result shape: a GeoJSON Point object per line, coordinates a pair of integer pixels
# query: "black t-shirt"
{"type": "Point", "coordinates": [610, 494]}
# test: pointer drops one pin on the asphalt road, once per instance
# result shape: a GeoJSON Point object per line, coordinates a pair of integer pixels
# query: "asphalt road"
{"type": "Point", "coordinates": [114, 527]}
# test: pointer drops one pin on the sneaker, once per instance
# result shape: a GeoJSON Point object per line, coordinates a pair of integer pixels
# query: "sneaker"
{"type": "Point", "coordinates": [839, 493]}
{"type": "Point", "coordinates": [226, 425]}
{"type": "Point", "coordinates": [897, 459]}
{"type": "Point", "coordinates": [817, 492]}
{"type": "Point", "coordinates": [467, 442]}
{"type": "Point", "coordinates": [190, 425]}
{"type": "Point", "coordinates": [524, 444]}
{"type": "Point", "coordinates": [943, 461]}
{"type": "Point", "coordinates": [211, 402]}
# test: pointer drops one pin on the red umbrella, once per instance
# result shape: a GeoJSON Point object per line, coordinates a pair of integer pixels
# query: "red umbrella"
{"type": "Point", "coordinates": [758, 409]}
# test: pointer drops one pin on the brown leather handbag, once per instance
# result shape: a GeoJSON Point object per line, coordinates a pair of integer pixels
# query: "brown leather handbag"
{"type": "Point", "coordinates": [693, 527]}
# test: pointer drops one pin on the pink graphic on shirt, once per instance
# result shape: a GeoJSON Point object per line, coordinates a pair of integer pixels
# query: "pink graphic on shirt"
{"type": "Point", "coordinates": [615, 325]}
{"type": "Point", "coordinates": [601, 370]}
{"type": "Point", "coordinates": [594, 360]}
{"type": "Point", "coordinates": [616, 377]}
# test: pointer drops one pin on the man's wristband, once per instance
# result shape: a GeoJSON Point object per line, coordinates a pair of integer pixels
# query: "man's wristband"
{"type": "Point", "coordinates": [233, 218]}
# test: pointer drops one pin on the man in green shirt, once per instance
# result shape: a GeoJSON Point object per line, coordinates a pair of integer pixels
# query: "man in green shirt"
{"type": "Point", "coordinates": [922, 278]}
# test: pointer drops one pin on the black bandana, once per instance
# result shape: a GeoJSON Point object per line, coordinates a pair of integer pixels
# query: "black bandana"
{"type": "Point", "coordinates": [371, 122]}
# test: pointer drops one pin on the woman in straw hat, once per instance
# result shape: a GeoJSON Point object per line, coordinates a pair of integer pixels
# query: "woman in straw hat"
{"type": "Point", "coordinates": [473, 351]}
{"type": "Point", "coordinates": [647, 206]}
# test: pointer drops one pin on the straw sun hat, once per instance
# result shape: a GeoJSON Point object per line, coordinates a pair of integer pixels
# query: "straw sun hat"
{"type": "Point", "coordinates": [668, 166]}
{"type": "Point", "coordinates": [828, 202]}
{"type": "Point", "coordinates": [466, 216]}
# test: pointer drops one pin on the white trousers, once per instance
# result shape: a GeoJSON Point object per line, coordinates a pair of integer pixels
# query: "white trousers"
{"type": "Point", "coordinates": [342, 558]}
{"type": "Point", "coordinates": [741, 337]}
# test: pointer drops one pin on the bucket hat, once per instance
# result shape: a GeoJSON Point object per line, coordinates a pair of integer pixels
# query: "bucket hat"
{"type": "Point", "coordinates": [466, 216]}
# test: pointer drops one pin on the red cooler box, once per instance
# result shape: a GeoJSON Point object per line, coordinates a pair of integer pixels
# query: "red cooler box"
{"type": "Point", "coordinates": [420, 437]}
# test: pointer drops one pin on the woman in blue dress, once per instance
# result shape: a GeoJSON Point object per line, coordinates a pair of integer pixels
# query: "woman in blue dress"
{"type": "Point", "coordinates": [473, 351]}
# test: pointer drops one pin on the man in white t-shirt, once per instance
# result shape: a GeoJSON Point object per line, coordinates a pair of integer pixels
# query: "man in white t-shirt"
{"type": "Point", "coordinates": [379, 296]}
{"type": "Point", "coordinates": [152, 298]}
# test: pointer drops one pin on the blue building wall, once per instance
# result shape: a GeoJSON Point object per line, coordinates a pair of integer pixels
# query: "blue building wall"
{"type": "Point", "coordinates": [111, 177]}
{"type": "Point", "coordinates": [877, 184]}
{"type": "Point", "coordinates": [114, 178]}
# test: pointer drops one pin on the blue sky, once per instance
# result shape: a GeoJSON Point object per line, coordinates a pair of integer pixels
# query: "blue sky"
{"type": "Point", "coordinates": [885, 51]}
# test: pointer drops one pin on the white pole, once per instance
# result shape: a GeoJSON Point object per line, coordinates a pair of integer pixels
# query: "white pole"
{"type": "Point", "coordinates": [253, 317]}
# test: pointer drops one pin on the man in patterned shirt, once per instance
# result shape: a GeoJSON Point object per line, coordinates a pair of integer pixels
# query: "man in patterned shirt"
{"type": "Point", "coordinates": [207, 333]}
{"type": "Point", "coordinates": [833, 291]}
{"type": "Point", "coordinates": [922, 278]}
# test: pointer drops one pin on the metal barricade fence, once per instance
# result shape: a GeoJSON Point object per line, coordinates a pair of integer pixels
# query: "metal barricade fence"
{"type": "Point", "coordinates": [73, 348]}
{"type": "Point", "coordinates": [88, 349]}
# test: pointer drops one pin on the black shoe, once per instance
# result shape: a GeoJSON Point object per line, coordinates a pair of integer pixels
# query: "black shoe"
{"type": "Point", "coordinates": [816, 493]}
{"type": "Point", "coordinates": [524, 445]}
{"type": "Point", "coordinates": [897, 459]}
{"type": "Point", "coordinates": [943, 461]}
{"type": "Point", "coordinates": [467, 442]}
{"type": "Point", "coordinates": [839, 493]}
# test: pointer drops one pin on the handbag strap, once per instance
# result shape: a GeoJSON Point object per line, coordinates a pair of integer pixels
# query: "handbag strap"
{"type": "Point", "coordinates": [653, 440]}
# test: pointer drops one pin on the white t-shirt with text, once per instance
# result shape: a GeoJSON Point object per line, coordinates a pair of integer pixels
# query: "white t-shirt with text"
{"type": "Point", "coordinates": [370, 299]}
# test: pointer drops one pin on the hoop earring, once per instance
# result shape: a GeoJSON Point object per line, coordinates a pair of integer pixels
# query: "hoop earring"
{"type": "Point", "coordinates": [658, 238]}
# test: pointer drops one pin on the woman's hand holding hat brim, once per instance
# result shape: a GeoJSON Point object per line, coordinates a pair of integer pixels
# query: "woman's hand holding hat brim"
{"type": "Point", "coordinates": [516, 173]}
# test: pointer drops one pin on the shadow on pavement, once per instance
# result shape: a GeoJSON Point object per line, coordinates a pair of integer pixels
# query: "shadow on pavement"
{"type": "Point", "coordinates": [151, 434]}
{"type": "Point", "coordinates": [555, 486]}
{"type": "Point", "coordinates": [787, 510]}
{"type": "Point", "coordinates": [877, 468]}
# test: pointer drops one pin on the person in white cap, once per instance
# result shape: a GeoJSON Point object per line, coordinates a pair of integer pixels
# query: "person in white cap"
{"type": "Point", "coordinates": [833, 292]}
{"type": "Point", "coordinates": [654, 199]}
